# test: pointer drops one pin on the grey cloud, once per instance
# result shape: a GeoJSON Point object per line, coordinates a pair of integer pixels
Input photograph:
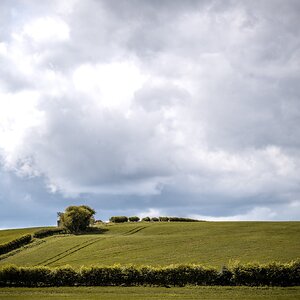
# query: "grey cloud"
{"type": "Point", "coordinates": [91, 147]}
{"type": "Point", "coordinates": [157, 96]}
{"type": "Point", "coordinates": [212, 130]}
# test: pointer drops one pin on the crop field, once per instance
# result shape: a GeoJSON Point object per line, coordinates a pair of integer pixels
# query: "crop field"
{"type": "Point", "coordinates": [143, 293]}
{"type": "Point", "coordinates": [207, 243]}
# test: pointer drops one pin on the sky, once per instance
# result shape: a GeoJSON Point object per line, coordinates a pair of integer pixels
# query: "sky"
{"type": "Point", "coordinates": [149, 108]}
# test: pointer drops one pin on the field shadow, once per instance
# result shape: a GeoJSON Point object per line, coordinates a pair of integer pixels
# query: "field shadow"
{"type": "Point", "coordinates": [93, 230]}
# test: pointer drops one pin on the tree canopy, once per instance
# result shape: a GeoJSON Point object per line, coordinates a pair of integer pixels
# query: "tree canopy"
{"type": "Point", "coordinates": [77, 219]}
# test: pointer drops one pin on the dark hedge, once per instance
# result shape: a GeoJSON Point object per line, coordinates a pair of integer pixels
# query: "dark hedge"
{"type": "Point", "coordinates": [48, 232]}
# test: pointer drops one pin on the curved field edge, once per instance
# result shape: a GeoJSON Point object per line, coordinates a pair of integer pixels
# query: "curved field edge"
{"type": "Point", "coordinates": [206, 243]}
{"type": "Point", "coordinates": [143, 293]}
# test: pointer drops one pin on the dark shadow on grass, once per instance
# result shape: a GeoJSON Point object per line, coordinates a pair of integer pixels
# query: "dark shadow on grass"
{"type": "Point", "coordinates": [93, 230]}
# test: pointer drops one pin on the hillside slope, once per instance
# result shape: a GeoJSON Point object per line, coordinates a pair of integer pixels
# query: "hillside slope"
{"type": "Point", "coordinates": [208, 243]}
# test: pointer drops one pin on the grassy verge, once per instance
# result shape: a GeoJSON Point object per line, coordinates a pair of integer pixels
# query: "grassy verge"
{"type": "Point", "coordinates": [141, 293]}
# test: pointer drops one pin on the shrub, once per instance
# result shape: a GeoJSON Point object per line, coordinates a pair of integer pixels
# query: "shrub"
{"type": "Point", "coordinates": [47, 232]}
{"type": "Point", "coordinates": [154, 219]}
{"type": "Point", "coordinates": [118, 219]}
{"type": "Point", "coordinates": [134, 219]}
{"type": "Point", "coordinates": [16, 243]}
{"type": "Point", "coordinates": [146, 219]}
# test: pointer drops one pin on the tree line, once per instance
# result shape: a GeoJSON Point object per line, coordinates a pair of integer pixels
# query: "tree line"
{"type": "Point", "coordinates": [124, 219]}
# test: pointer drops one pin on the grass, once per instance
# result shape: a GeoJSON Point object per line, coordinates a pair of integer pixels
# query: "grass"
{"type": "Point", "coordinates": [141, 293]}
{"type": "Point", "coordinates": [208, 243]}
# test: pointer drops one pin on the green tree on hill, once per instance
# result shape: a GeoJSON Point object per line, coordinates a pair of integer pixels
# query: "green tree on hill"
{"type": "Point", "coordinates": [77, 219]}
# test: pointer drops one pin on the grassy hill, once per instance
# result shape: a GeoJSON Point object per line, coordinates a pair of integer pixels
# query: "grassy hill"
{"type": "Point", "coordinates": [208, 243]}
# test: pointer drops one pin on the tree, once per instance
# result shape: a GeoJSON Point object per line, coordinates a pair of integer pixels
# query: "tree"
{"type": "Point", "coordinates": [77, 218]}
{"type": "Point", "coordinates": [118, 219]}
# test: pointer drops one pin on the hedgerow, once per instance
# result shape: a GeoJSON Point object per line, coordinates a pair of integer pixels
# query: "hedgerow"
{"type": "Point", "coordinates": [48, 232]}
{"type": "Point", "coordinates": [122, 219]}
{"type": "Point", "coordinates": [178, 219]}
{"type": "Point", "coordinates": [163, 219]}
{"type": "Point", "coordinates": [273, 274]}
{"type": "Point", "coordinates": [16, 243]}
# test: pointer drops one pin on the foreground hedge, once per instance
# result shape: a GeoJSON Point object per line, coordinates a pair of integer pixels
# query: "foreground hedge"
{"type": "Point", "coordinates": [274, 274]}
{"type": "Point", "coordinates": [16, 243]}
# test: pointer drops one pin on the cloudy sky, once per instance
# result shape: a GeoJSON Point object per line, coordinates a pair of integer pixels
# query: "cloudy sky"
{"type": "Point", "coordinates": [139, 107]}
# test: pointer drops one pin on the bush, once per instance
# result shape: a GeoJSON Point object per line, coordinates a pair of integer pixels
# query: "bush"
{"type": "Point", "coordinates": [163, 219]}
{"type": "Point", "coordinates": [16, 243]}
{"type": "Point", "coordinates": [134, 219]}
{"type": "Point", "coordinates": [273, 274]}
{"type": "Point", "coordinates": [118, 219]}
{"type": "Point", "coordinates": [48, 232]}
{"type": "Point", "coordinates": [154, 219]}
{"type": "Point", "coordinates": [146, 219]}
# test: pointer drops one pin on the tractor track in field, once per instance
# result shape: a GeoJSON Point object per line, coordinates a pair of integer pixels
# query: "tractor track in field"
{"type": "Point", "coordinates": [68, 252]}
{"type": "Point", "coordinates": [83, 245]}
{"type": "Point", "coordinates": [134, 230]}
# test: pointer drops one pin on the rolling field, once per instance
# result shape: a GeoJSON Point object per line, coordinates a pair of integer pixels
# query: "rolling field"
{"type": "Point", "coordinates": [143, 293]}
{"type": "Point", "coordinates": [207, 243]}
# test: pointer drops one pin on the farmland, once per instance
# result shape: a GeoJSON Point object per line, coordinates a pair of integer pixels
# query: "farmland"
{"type": "Point", "coordinates": [207, 243]}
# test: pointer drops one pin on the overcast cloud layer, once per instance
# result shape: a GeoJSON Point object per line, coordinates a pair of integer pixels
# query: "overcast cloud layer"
{"type": "Point", "coordinates": [187, 108]}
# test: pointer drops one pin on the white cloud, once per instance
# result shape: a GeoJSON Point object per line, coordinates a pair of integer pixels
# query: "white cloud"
{"type": "Point", "coordinates": [111, 85]}
{"type": "Point", "coordinates": [281, 213]}
{"type": "Point", "coordinates": [47, 30]}
{"type": "Point", "coordinates": [18, 113]}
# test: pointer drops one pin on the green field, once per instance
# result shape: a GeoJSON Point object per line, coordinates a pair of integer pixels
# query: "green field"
{"type": "Point", "coordinates": [207, 243]}
{"type": "Point", "coordinates": [142, 293]}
